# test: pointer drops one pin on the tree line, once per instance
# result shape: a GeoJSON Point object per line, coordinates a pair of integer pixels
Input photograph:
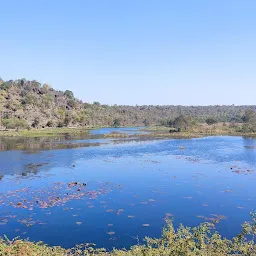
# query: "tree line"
{"type": "Point", "coordinates": [30, 104]}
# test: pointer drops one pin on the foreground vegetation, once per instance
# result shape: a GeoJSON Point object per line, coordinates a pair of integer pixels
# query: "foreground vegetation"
{"type": "Point", "coordinates": [203, 240]}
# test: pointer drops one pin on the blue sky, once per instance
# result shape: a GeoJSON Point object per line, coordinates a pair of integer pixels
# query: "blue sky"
{"type": "Point", "coordinates": [177, 52]}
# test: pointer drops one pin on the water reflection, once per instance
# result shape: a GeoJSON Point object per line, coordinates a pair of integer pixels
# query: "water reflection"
{"type": "Point", "coordinates": [103, 193]}
{"type": "Point", "coordinates": [123, 130]}
{"type": "Point", "coordinates": [250, 148]}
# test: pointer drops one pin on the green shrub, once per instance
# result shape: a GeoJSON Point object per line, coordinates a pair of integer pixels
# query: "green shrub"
{"type": "Point", "coordinates": [36, 122]}
{"type": "Point", "coordinates": [15, 123]}
{"type": "Point", "coordinates": [47, 99]}
{"type": "Point", "coordinates": [71, 103]}
{"type": "Point", "coordinates": [50, 123]}
{"type": "Point", "coordinates": [29, 99]}
{"type": "Point", "coordinates": [60, 124]}
{"type": "Point", "coordinates": [69, 94]}
{"type": "Point", "coordinates": [67, 119]}
{"type": "Point", "coordinates": [211, 121]}
{"type": "Point", "coordinates": [116, 122]}
{"type": "Point", "coordinates": [182, 123]}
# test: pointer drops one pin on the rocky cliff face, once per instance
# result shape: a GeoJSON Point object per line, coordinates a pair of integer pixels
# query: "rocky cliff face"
{"type": "Point", "coordinates": [39, 105]}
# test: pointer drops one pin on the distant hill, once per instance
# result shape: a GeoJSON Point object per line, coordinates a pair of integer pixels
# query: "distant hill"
{"type": "Point", "coordinates": [40, 105]}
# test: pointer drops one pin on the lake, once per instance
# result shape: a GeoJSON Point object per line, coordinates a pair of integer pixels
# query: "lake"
{"type": "Point", "coordinates": [115, 192]}
{"type": "Point", "coordinates": [125, 130]}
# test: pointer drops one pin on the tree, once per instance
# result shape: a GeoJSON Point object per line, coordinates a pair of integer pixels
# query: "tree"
{"type": "Point", "coordinates": [116, 122]}
{"type": "Point", "coordinates": [250, 121]}
{"type": "Point", "coordinates": [36, 122]}
{"type": "Point", "coordinates": [67, 119]}
{"type": "Point", "coordinates": [50, 123]}
{"type": "Point", "coordinates": [146, 122]}
{"type": "Point", "coordinates": [182, 122]}
{"type": "Point", "coordinates": [46, 88]}
{"type": "Point", "coordinates": [248, 115]}
{"type": "Point", "coordinates": [14, 123]}
{"type": "Point", "coordinates": [69, 94]}
{"type": "Point", "coordinates": [71, 103]}
{"type": "Point", "coordinates": [211, 121]}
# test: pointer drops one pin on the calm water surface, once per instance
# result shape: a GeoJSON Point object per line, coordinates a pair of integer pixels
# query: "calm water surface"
{"type": "Point", "coordinates": [113, 194]}
{"type": "Point", "coordinates": [126, 130]}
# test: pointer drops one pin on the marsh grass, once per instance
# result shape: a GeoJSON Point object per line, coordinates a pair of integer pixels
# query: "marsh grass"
{"type": "Point", "coordinates": [203, 240]}
{"type": "Point", "coordinates": [46, 132]}
{"type": "Point", "coordinates": [200, 130]}
{"type": "Point", "coordinates": [195, 131]}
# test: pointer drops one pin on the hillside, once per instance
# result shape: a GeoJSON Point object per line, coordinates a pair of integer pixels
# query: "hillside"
{"type": "Point", "coordinates": [39, 105]}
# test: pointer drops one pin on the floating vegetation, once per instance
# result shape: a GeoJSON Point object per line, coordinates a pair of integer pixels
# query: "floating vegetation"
{"type": "Point", "coordinates": [226, 191]}
{"type": "Point", "coordinates": [214, 219]}
{"type": "Point", "coordinates": [29, 222]}
{"type": "Point", "coordinates": [119, 211]}
{"type": "Point", "coordinates": [189, 159]}
{"type": "Point", "coordinates": [34, 167]}
{"type": "Point", "coordinates": [27, 198]}
{"type": "Point", "coordinates": [243, 171]}
{"type": "Point", "coordinates": [152, 161]}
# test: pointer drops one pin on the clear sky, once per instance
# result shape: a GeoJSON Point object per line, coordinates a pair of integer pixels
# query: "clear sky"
{"type": "Point", "coordinates": [186, 52]}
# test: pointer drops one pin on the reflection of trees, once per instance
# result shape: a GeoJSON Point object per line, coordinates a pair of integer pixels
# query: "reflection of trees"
{"type": "Point", "coordinates": [24, 164]}
{"type": "Point", "coordinates": [249, 144]}
{"type": "Point", "coordinates": [42, 143]}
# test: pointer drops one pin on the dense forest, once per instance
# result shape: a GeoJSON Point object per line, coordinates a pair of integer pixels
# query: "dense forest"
{"type": "Point", "coordinates": [25, 104]}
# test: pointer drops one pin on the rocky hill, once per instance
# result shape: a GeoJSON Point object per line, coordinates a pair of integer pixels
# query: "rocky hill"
{"type": "Point", "coordinates": [32, 104]}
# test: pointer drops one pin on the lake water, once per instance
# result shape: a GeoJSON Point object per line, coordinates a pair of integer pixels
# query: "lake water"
{"type": "Point", "coordinates": [115, 192]}
{"type": "Point", "coordinates": [125, 130]}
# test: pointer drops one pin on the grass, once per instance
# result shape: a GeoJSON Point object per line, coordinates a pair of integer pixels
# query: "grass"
{"type": "Point", "coordinates": [46, 132]}
{"type": "Point", "coordinates": [196, 131]}
{"type": "Point", "coordinates": [203, 240]}
{"type": "Point", "coordinates": [200, 130]}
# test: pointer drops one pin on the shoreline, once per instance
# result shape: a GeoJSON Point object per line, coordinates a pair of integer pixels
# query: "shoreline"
{"type": "Point", "coordinates": [157, 131]}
